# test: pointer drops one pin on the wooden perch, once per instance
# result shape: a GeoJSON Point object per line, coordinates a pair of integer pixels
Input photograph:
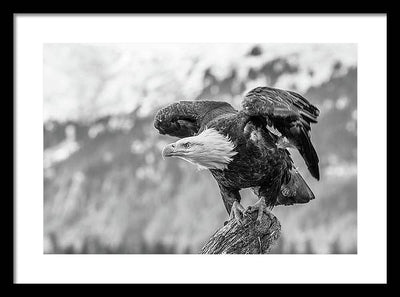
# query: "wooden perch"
{"type": "Point", "coordinates": [246, 239]}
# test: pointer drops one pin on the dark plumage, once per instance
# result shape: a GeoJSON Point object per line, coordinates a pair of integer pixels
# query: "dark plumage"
{"type": "Point", "coordinates": [246, 148]}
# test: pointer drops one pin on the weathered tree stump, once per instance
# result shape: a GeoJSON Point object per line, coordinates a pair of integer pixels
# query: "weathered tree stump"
{"type": "Point", "coordinates": [248, 238]}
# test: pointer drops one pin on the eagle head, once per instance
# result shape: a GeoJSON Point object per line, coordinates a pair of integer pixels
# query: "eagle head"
{"type": "Point", "coordinates": [208, 150]}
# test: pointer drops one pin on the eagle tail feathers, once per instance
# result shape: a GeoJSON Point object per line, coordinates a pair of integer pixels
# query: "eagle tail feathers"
{"type": "Point", "coordinates": [296, 191]}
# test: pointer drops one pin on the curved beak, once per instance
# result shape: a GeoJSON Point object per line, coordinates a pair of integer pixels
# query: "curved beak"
{"type": "Point", "coordinates": [168, 150]}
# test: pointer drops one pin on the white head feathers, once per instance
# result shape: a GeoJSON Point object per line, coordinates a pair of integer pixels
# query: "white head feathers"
{"type": "Point", "coordinates": [209, 150]}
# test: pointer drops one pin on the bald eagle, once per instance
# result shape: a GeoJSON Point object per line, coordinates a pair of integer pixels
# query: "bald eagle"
{"type": "Point", "coordinates": [246, 148]}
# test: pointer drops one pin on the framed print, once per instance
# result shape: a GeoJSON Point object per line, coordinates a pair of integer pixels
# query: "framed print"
{"type": "Point", "coordinates": [150, 141]}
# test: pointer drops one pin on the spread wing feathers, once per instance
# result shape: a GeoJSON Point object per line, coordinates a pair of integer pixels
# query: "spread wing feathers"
{"type": "Point", "coordinates": [291, 114]}
{"type": "Point", "coordinates": [185, 118]}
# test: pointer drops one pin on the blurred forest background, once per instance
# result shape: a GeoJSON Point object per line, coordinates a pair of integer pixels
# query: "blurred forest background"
{"type": "Point", "coordinates": [107, 188]}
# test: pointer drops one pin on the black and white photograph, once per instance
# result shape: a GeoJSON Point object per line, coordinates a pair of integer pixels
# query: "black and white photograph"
{"type": "Point", "coordinates": [174, 148]}
{"type": "Point", "coordinates": [269, 129]}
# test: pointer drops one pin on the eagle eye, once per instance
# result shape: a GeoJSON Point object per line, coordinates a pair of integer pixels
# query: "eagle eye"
{"type": "Point", "coordinates": [186, 145]}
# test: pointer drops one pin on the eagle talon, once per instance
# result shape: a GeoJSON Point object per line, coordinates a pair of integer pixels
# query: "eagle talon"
{"type": "Point", "coordinates": [237, 212]}
{"type": "Point", "coordinates": [261, 206]}
{"type": "Point", "coordinates": [249, 209]}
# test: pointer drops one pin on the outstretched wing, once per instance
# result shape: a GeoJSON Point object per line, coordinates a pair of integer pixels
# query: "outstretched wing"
{"type": "Point", "coordinates": [291, 114]}
{"type": "Point", "coordinates": [185, 118]}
